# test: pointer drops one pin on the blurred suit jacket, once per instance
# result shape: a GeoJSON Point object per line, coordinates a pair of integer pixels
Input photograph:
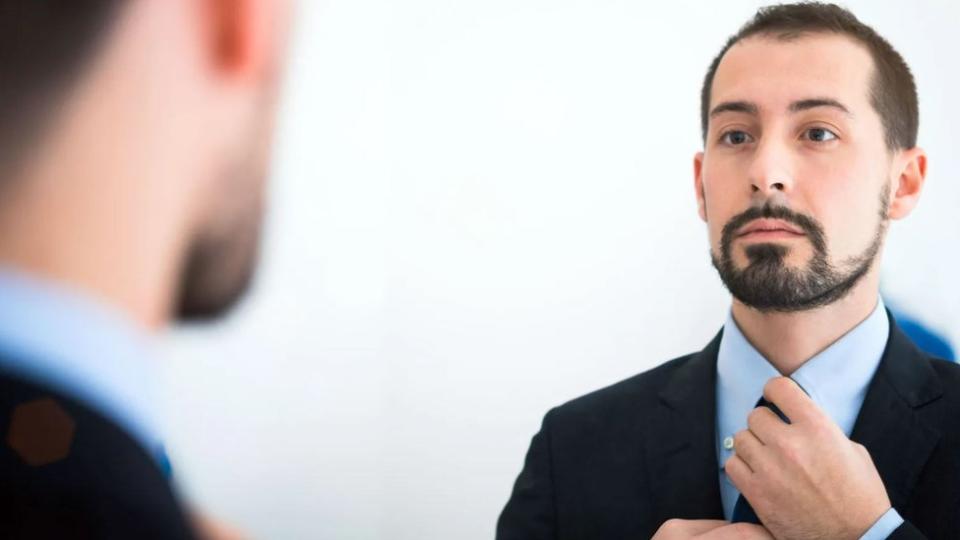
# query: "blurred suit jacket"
{"type": "Point", "coordinates": [68, 472]}
{"type": "Point", "coordinates": [617, 463]}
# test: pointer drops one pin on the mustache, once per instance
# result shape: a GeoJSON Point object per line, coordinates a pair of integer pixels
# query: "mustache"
{"type": "Point", "coordinates": [807, 224]}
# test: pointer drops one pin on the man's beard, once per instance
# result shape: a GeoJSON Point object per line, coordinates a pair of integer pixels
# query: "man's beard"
{"type": "Point", "coordinates": [768, 284]}
{"type": "Point", "coordinates": [222, 258]}
{"type": "Point", "coordinates": [220, 267]}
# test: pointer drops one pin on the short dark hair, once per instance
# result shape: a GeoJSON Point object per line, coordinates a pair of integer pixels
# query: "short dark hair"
{"type": "Point", "coordinates": [44, 45]}
{"type": "Point", "coordinates": [893, 92]}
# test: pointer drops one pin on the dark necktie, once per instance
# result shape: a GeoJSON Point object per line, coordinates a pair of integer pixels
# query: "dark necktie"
{"type": "Point", "coordinates": [742, 511]}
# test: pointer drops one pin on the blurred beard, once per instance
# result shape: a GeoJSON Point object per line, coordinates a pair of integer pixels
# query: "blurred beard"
{"type": "Point", "coordinates": [769, 285]}
{"type": "Point", "coordinates": [221, 262]}
{"type": "Point", "coordinates": [220, 268]}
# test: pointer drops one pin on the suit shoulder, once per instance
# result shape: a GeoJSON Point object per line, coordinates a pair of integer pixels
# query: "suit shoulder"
{"type": "Point", "coordinates": [636, 393]}
{"type": "Point", "coordinates": [949, 374]}
{"type": "Point", "coordinates": [948, 371]}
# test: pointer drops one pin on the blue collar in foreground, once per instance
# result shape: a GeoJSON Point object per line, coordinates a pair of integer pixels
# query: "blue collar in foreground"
{"type": "Point", "coordinates": [71, 343]}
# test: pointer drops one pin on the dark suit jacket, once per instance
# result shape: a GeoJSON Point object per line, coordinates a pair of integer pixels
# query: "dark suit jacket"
{"type": "Point", "coordinates": [620, 461]}
{"type": "Point", "coordinates": [68, 472]}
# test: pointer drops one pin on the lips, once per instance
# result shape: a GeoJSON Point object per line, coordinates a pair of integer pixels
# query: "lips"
{"type": "Point", "coordinates": [767, 225]}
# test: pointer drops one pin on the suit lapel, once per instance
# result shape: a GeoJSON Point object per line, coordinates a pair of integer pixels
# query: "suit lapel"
{"type": "Point", "coordinates": [681, 447]}
{"type": "Point", "coordinates": [890, 424]}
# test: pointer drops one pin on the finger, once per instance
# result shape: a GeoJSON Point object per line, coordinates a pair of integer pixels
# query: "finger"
{"type": "Point", "coordinates": [791, 400]}
{"type": "Point", "coordinates": [748, 447]}
{"type": "Point", "coordinates": [738, 472]}
{"type": "Point", "coordinates": [737, 531]}
{"type": "Point", "coordinates": [766, 425]}
{"type": "Point", "coordinates": [208, 528]}
{"type": "Point", "coordinates": [687, 528]}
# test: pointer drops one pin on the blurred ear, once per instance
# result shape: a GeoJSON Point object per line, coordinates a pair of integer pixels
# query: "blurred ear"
{"type": "Point", "coordinates": [698, 185]}
{"type": "Point", "coordinates": [910, 174]}
{"type": "Point", "coordinates": [243, 36]}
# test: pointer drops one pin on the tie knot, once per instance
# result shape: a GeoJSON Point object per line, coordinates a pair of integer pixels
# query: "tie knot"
{"type": "Point", "coordinates": [764, 403]}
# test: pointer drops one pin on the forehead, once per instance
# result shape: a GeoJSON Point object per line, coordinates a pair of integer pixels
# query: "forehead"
{"type": "Point", "coordinates": [772, 72]}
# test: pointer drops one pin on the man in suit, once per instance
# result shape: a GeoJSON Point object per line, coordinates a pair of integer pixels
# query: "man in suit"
{"type": "Point", "coordinates": [134, 149]}
{"type": "Point", "coordinates": [810, 415]}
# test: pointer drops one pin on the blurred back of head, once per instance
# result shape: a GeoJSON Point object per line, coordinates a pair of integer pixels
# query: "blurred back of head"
{"type": "Point", "coordinates": [139, 130]}
{"type": "Point", "coordinates": [44, 45]}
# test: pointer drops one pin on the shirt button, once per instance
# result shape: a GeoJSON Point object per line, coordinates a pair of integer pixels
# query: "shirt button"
{"type": "Point", "coordinates": [728, 443]}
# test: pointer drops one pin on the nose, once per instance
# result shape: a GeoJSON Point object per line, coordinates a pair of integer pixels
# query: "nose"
{"type": "Point", "coordinates": [771, 187]}
{"type": "Point", "coordinates": [771, 172]}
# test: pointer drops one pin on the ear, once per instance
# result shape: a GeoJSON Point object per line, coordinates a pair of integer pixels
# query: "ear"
{"type": "Point", "coordinates": [243, 36]}
{"type": "Point", "coordinates": [698, 185]}
{"type": "Point", "coordinates": [910, 174]}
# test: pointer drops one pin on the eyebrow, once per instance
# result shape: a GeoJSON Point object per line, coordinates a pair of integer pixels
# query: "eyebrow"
{"type": "Point", "coordinates": [806, 104]}
{"type": "Point", "coordinates": [735, 106]}
{"type": "Point", "coordinates": [795, 107]}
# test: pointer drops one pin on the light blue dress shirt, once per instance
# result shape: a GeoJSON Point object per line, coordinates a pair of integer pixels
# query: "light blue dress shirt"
{"type": "Point", "coordinates": [71, 343]}
{"type": "Point", "coordinates": [836, 379]}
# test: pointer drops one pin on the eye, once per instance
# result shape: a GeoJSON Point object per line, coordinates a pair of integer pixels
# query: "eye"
{"type": "Point", "coordinates": [819, 135]}
{"type": "Point", "coordinates": [735, 137]}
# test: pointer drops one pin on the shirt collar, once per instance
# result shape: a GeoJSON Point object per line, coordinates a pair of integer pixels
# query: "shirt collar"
{"type": "Point", "coordinates": [71, 343]}
{"type": "Point", "coordinates": [836, 379]}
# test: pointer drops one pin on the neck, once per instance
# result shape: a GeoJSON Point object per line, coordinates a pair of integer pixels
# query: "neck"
{"type": "Point", "coordinates": [104, 246]}
{"type": "Point", "coordinates": [788, 340]}
{"type": "Point", "coordinates": [99, 207]}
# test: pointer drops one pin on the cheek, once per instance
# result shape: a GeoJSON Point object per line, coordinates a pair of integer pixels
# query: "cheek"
{"type": "Point", "coordinates": [716, 222]}
{"type": "Point", "coordinates": [845, 200]}
{"type": "Point", "coordinates": [725, 195]}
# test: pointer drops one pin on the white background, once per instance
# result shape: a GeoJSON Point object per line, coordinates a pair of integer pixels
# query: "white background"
{"type": "Point", "coordinates": [482, 209]}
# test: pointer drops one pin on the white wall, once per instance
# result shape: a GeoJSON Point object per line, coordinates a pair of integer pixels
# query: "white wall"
{"type": "Point", "coordinates": [481, 209]}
